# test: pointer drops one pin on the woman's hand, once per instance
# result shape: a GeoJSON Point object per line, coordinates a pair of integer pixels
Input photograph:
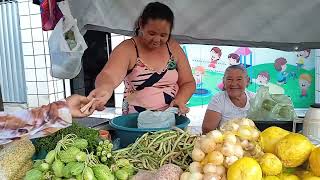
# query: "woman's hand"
{"type": "Point", "coordinates": [76, 102]}
{"type": "Point", "coordinates": [101, 96]}
{"type": "Point", "coordinates": [183, 109]}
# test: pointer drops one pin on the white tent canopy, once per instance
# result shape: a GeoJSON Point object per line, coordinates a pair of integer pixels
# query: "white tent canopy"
{"type": "Point", "coordinates": [279, 24]}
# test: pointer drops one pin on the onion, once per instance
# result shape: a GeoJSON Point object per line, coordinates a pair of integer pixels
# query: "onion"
{"type": "Point", "coordinates": [216, 135]}
{"type": "Point", "coordinates": [224, 177]}
{"type": "Point", "coordinates": [185, 176]}
{"type": "Point", "coordinates": [227, 149]}
{"type": "Point", "coordinates": [218, 147]}
{"type": "Point", "coordinates": [230, 160]}
{"type": "Point", "coordinates": [230, 138]}
{"type": "Point", "coordinates": [195, 167]}
{"type": "Point", "coordinates": [197, 154]}
{"type": "Point", "coordinates": [221, 170]}
{"type": "Point", "coordinates": [246, 122]}
{"type": "Point", "coordinates": [211, 176]}
{"type": "Point", "coordinates": [255, 134]}
{"type": "Point", "coordinates": [244, 143]}
{"type": "Point", "coordinates": [207, 145]}
{"type": "Point", "coordinates": [215, 157]}
{"type": "Point", "coordinates": [209, 168]}
{"type": "Point", "coordinates": [245, 132]}
{"type": "Point", "coordinates": [238, 151]}
{"type": "Point", "coordinates": [196, 176]}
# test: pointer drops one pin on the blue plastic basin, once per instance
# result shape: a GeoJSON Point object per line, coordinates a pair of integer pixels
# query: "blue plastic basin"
{"type": "Point", "coordinates": [126, 128]}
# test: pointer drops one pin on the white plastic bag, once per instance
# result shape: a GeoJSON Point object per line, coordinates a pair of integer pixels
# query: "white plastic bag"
{"type": "Point", "coordinates": [66, 62]}
{"type": "Point", "coordinates": [157, 119]}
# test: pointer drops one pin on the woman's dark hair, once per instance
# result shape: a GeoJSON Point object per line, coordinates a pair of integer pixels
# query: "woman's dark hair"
{"type": "Point", "coordinates": [154, 10]}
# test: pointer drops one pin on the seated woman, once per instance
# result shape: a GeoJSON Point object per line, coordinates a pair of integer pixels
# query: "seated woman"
{"type": "Point", "coordinates": [232, 103]}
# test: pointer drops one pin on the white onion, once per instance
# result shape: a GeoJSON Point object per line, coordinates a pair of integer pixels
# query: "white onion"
{"type": "Point", "coordinates": [185, 176]}
{"type": "Point", "coordinates": [196, 176]}
{"type": "Point", "coordinates": [230, 138]}
{"type": "Point", "coordinates": [238, 151]}
{"type": "Point", "coordinates": [227, 149]}
{"type": "Point", "coordinates": [207, 145]}
{"type": "Point", "coordinates": [221, 170]}
{"type": "Point", "coordinates": [197, 154]}
{"type": "Point", "coordinates": [216, 135]}
{"type": "Point", "coordinates": [211, 176]}
{"type": "Point", "coordinates": [209, 168]}
{"type": "Point", "coordinates": [195, 167]}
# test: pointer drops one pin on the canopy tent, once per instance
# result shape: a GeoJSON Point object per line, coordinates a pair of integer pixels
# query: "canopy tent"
{"type": "Point", "coordinates": [280, 24]}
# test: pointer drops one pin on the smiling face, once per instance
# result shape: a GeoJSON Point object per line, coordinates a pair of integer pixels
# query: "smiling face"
{"type": "Point", "coordinates": [155, 33]}
{"type": "Point", "coordinates": [235, 82]}
{"type": "Point", "coordinates": [304, 84]}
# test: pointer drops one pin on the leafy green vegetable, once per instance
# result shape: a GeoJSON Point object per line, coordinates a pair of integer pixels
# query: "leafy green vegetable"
{"type": "Point", "coordinates": [81, 156]}
{"type": "Point", "coordinates": [49, 142]}
{"type": "Point", "coordinates": [50, 156]}
{"type": "Point", "coordinates": [44, 167]}
{"type": "Point", "coordinates": [33, 174]}
{"type": "Point", "coordinates": [80, 143]}
{"type": "Point", "coordinates": [88, 174]}
{"type": "Point", "coordinates": [77, 168]}
{"type": "Point", "coordinates": [69, 155]}
{"type": "Point", "coordinates": [121, 174]}
{"type": "Point", "coordinates": [57, 168]}
{"type": "Point", "coordinates": [102, 172]}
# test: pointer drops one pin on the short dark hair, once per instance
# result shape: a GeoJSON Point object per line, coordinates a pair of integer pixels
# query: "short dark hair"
{"type": "Point", "coordinates": [154, 10]}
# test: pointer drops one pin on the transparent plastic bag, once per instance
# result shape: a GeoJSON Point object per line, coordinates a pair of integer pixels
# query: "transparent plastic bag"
{"type": "Point", "coordinates": [157, 119]}
{"type": "Point", "coordinates": [66, 46]}
{"type": "Point", "coordinates": [266, 107]}
{"type": "Point", "coordinates": [261, 105]}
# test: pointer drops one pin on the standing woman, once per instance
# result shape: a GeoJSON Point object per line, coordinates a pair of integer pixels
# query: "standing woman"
{"type": "Point", "coordinates": [153, 66]}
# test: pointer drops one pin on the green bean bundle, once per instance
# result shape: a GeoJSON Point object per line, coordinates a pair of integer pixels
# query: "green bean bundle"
{"type": "Point", "coordinates": [154, 149]}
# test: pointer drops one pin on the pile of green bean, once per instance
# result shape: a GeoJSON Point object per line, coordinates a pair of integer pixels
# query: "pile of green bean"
{"type": "Point", "coordinates": [154, 149]}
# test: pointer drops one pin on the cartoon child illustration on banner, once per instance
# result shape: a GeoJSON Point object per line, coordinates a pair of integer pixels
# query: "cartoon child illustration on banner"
{"type": "Point", "coordinates": [280, 64]}
{"type": "Point", "coordinates": [302, 55]}
{"type": "Point", "coordinates": [263, 79]}
{"type": "Point", "coordinates": [304, 84]}
{"type": "Point", "coordinates": [234, 59]}
{"type": "Point", "coordinates": [198, 74]}
{"type": "Point", "coordinates": [215, 57]}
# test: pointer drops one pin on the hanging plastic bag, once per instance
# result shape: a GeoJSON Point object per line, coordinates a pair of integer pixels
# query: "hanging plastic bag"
{"type": "Point", "coordinates": [50, 14]}
{"type": "Point", "coordinates": [66, 46]}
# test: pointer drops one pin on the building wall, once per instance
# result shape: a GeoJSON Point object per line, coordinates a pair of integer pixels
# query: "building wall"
{"type": "Point", "coordinates": [42, 88]}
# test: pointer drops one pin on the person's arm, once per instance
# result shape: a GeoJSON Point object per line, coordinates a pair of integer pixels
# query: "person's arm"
{"type": "Point", "coordinates": [42, 121]}
{"type": "Point", "coordinates": [112, 74]}
{"type": "Point", "coordinates": [213, 114]}
{"type": "Point", "coordinates": [211, 121]}
{"type": "Point", "coordinates": [186, 81]}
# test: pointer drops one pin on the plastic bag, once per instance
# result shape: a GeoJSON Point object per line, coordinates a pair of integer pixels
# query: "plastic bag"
{"type": "Point", "coordinates": [157, 119]}
{"type": "Point", "coordinates": [266, 107]}
{"type": "Point", "coordinates": [66, 46]}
